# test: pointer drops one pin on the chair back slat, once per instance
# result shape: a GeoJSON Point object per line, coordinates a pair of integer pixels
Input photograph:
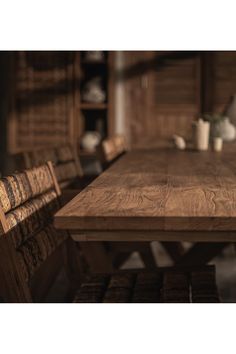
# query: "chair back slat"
{"type": "Point", "coordinates": [65, 154]}
{"type": "Point", "coordinates": [120, 144]}
{"type": "Point", "coordinates": [111, 149]}
{"type": "Point", "coordinates": [18, 188]}
{"type": "Point", "coordinates": [39, 157]}
{"type": "Point", "coordinates": [33, 215]}
{"type": "Point", "coordinates": [34, 252]}
{"type": "Point", "coordinates": [65, 161]}
{"type": "Point", "coordinates": [66, 172]}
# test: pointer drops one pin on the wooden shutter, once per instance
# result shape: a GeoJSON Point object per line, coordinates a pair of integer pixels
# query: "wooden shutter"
{"type": "Point", "coordinates": [42, 112]}
{"type": "Point", "coordinates": [166, 98]}
{"type": "Point", "coordinates": [224, 79]}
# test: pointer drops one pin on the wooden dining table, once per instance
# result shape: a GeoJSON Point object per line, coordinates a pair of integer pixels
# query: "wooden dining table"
{"type": "Point", "coordinates": [158, 195]}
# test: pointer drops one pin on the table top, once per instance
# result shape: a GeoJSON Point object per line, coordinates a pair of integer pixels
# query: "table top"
{"type": "Point", "coordinates": [158, 190]}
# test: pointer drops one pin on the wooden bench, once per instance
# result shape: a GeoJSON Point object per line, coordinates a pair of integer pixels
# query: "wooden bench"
{"type": "Point", "coordinates": [167, 285]}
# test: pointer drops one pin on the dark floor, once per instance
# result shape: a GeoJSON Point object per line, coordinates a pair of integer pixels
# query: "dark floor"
{"type": "Point", "coordinates": [225, 269]}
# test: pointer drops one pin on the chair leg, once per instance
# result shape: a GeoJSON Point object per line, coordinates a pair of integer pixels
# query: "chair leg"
{"type": "Point", "coordinates": [97, 257]}
{"type": "Point", "coordinates": [73, 265]}
{"type": "Point", "coordinates": [121, 251]}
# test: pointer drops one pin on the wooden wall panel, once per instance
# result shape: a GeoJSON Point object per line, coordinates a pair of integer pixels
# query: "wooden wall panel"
{"type": "Point", "coordinates": [42, 107]}
{"type": "Point", "coordinates": [135, 97]}
{"type": "Point", "coordinates": [224, 79]}
{"type": "Point", "coordinates": [162, 95]}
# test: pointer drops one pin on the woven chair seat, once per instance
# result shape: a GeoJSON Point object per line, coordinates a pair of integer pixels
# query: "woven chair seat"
{"type": "Point", "coordinates": [170, 285]}
{"type": "Point", "coordinates": [34, 252]}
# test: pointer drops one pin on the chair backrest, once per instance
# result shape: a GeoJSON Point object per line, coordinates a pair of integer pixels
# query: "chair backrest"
{"type": "Point", "coordinates": [120, 144]}
{"type": "Point", "coordinates": [28, 201]}
{"type": "Point", "coordinates": [111, 149]}
{"type": "Point", "coordinates": [65, 161]}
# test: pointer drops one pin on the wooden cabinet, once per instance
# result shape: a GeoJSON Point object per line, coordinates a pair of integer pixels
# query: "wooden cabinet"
{"type": "Point", "coordinates": [46, 105]}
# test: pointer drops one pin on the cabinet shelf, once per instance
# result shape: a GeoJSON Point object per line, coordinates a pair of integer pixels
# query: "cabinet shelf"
{"type": "Point", "coordinates": [87, 153]}
{"type": "Point", "coordinates": [90, 62]}
{"type": "Point", "coordinates": [88, 106]}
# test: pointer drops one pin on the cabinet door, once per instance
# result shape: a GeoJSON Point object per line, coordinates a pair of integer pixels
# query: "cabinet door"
{"type": "Point", "coordinates": [42, 111]}
{"type": "Point", "coordinates": [162, 95]}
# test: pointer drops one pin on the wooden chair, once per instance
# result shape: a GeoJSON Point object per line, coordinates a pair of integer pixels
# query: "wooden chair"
{"type": "Point", "coordinates": [120, 144]}
{"type": "Point", "coordinates": [67, 167]}
{"type": "Point", "coordinates": [32, 251]}
{"type": "Point", "coordinates": [110, 150]}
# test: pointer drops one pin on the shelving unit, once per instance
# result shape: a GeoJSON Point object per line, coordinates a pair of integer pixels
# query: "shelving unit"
{"type": "Point", "coordinates": [94, 116]}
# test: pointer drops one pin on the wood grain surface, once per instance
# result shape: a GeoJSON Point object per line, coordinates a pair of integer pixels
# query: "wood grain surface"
{"type": "Point", "coordinates": [158, 190]}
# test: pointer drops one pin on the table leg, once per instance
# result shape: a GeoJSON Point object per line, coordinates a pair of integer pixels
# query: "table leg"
{"type": "Point", "coordinates": [201, 253]}
{"type": "Point", "coordinates": [174, 249]}
{"type": "Point", "coordinates": [97, 257]}
{"type": "Point", "coordinates": [121, 251]}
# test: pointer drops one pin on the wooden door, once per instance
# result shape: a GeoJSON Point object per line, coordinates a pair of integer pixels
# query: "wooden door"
{"type": "Point", "coordinates": [162, 95]}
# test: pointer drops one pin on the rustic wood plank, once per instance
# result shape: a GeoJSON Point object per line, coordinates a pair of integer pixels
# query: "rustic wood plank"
{"type": "Point", "coordinates": [158, 190]}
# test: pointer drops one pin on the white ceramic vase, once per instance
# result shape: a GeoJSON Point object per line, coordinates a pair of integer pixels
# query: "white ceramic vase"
{"type": "Point", "coordinates": [226, 130]}
{"type": "Point", "coordinates": [90, 140]}
{"type": "Point", "coordinates": [202, 132]}
{"type": "Point", "coordinates": [231, 110]}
